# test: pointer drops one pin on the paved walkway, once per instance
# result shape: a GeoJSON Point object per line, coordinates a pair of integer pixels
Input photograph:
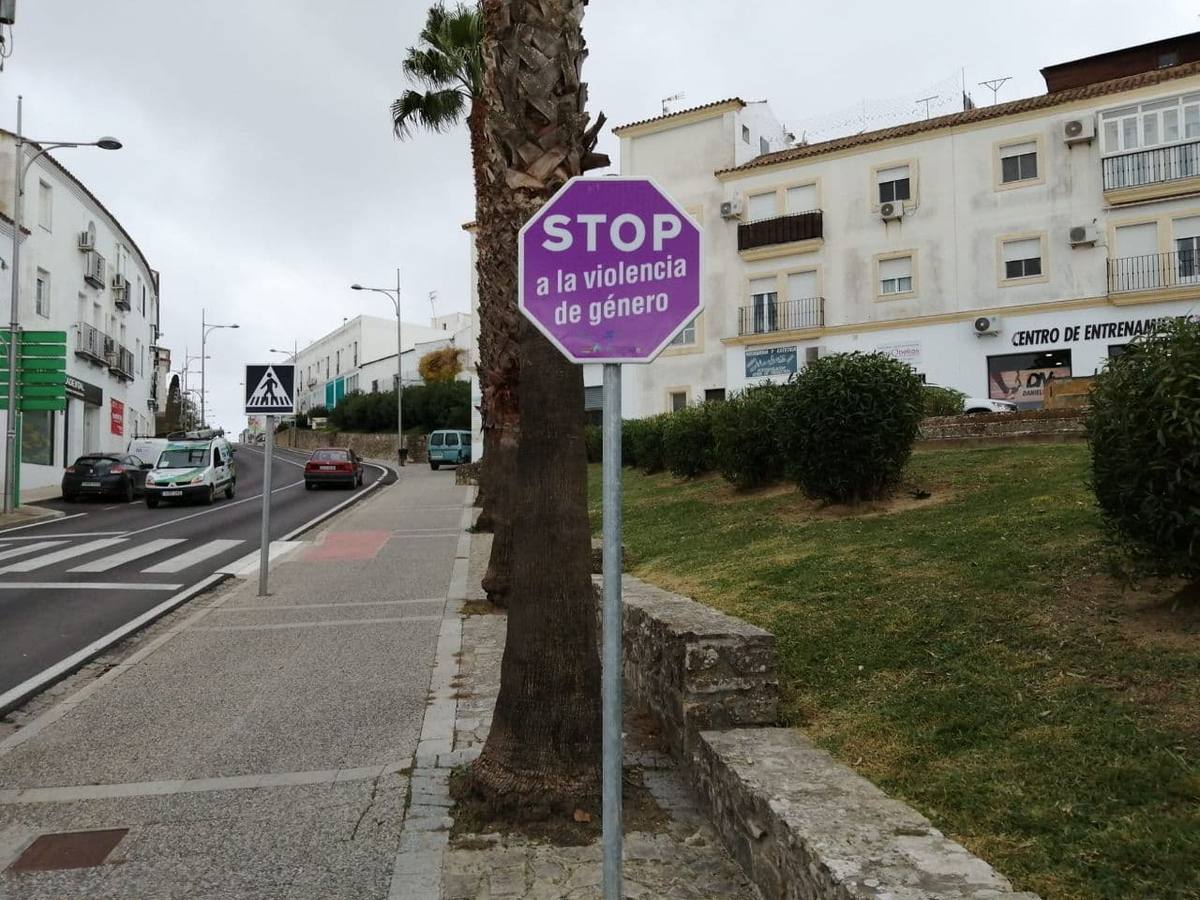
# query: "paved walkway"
{"type": "Point", "coordinates": [251, 747]}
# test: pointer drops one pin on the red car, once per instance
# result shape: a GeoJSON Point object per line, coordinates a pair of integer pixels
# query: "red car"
{"type": "Point", "coordinates": [333, 465]}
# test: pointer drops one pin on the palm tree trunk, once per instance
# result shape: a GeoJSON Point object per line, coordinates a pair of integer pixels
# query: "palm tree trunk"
{"type": "Point", "coordinates": [543, 751]}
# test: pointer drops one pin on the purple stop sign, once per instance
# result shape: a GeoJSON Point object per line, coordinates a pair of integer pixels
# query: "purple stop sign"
{"type": "Point", "coordinates": [610, 270]}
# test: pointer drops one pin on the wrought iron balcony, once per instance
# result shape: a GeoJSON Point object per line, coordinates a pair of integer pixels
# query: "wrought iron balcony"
{"type": "Point", "coordinates": [91, 343]}
{"type": "Point", "coordinates": [782, 315]}
{"type": "Point", "coordinates": [1154, 271]}
{"type": "Point", "coordinates": [1158, 165]}
{"type": "Point", "coordinates": [120, 361]}
{"type": "Point", "coordinates": [804, 226]}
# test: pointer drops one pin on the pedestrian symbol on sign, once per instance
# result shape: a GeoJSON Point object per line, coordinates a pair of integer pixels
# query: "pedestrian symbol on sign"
{"type": "Point", "coordinates": [272, 389]}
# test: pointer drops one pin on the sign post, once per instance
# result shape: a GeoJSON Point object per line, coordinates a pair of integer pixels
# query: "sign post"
{"type": "Point", "coordinates": [270, 389]}
{"type": "Point", "coordinates": [34, 375]}
{"type": "Point", "coordinates": [610, 273]}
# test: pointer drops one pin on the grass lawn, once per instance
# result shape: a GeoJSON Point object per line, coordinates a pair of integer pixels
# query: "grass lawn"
{"type": "Point", "coordinates": [970, 653]}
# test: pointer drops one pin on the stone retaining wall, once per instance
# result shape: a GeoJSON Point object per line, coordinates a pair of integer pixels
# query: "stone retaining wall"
{"type": "Point", "coordinates": [373, 446]}
{"type": "Point", "coordinates": [693, 668]}
{"type": "Point", "coordinates": [1027, 425]}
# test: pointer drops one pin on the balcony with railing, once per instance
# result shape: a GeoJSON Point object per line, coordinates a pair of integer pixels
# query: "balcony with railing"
{"type": "Point", "coordinates": [789, 229]}
{"type": "Point", "coordinates": [1153, 272]}
{"type": "Point", "coordinates": [1158, 166]}
{"type": "Point", "coordinates": [782, 315]}
{"type": "Point", "coordinates": [120, 361]}
{"type": "Point", "coordinates": [91, 343]}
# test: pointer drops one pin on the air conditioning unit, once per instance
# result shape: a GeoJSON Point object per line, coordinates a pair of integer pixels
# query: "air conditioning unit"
{"type": "Point", "coordinates": [87, 240]}
{"type": "Point", "coordinates": [892, 210]}
{"type": "Point", "coordinates": [812, 354]}
{"type": "Point", "coordinates": [731, 209]}
{"type": "Point", "coordinates": [94, 269]}
{"type": "Point", "coordinates": [120, 290]}
{"type": "Point", "coordinates": [1083, 235]}
{"type": "Point", "coordinates": [1079, 131]}
{"type": "Point", "coordinates": [986, 325]}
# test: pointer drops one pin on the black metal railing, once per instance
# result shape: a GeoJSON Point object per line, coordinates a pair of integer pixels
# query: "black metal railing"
{"type": "Point", "coordinates": [1153, 271]}
{"type": "Point", "coordinates": [1155, 166]}
{"type": "Point", "coordinates": [803, 226]}
{"type": "Point", "coordinates": [120, 361]}
{"type": "Point", "coordinates": [91, 343]}
{"type": "Point", "coordinates": [782, 315]}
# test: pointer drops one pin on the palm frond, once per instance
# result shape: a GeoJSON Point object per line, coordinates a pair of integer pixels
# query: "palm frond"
{"type": "Point", "coordinates": [432, 111]}
{"type": "Point", "coordinates": [431, 68]}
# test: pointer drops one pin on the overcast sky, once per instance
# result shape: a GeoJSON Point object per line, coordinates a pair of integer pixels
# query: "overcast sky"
{"type": "Point", "coordinates": [261, 178]}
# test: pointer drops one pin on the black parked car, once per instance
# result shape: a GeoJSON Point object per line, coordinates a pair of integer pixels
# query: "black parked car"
{"type": "Point", "coordinates": [105, 474]}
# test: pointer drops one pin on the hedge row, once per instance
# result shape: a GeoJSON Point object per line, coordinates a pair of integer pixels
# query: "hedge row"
{"type": "Point", "coordinates": [843, 429]}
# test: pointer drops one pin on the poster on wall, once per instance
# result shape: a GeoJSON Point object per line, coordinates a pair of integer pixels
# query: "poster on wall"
{"type": "Point", "coordinates": [118, 417]}
{"type": "Point", "coordinates": [771, 361]}
{"type": "Point", "coordinates": [904, 351]}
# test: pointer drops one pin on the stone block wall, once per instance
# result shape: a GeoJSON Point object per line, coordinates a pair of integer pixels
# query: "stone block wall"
{"type": "Point", "coordinates": [693, 668]}
{"type": "Point", "coordinates": [1026, 425]}
{"type": "Point", "coordinates": [371, 446]}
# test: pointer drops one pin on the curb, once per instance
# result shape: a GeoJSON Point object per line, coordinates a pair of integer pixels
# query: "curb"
{"type": "Point", "coordinates": [31, 687]}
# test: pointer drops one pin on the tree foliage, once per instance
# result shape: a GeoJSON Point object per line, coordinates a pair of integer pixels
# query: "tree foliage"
{"type": "Point", "coordinates": [745, 433]}
{"type": "Point", "coordinates": [427, 407]}
{"type": "Point", "coordinates": [441, 365]}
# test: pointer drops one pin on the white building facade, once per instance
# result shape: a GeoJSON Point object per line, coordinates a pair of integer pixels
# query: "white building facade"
{"type": "Point", "coordinates": [82, 274]}
{"type": "Point", "coordinates": [993, 249]}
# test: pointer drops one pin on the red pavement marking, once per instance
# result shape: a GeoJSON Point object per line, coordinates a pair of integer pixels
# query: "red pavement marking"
{"type": "Point", "coordinates": [348, 545]}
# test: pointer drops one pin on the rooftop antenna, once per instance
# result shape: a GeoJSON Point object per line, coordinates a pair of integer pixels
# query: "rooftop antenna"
{"type": "Point", "coordinates": [666, 101]}
{"type": "Point", "coordinates": [433, 303]}
{"type": "Point", "coordinates": [926, 100]}
{"type": "Point", "coordinates": [994, 84]}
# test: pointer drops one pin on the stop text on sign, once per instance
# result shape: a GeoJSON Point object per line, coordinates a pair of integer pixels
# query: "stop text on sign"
{"type": "Point", "coordinates": [610, 269]}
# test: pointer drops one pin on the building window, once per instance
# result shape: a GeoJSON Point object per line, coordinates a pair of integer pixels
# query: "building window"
{"type": "Point", "coordinates": [143, 293]}
{"type": "Point", "coordinates": [1150, 124]}
{"type": "Point", "coordinates": [802, 198]}
{"type": "Point", "coordinates": [45, 205]}
{"type": "Point", "coordinates": [37, 437]}
{"type": "Point", "coordinates": [1018, 162]}
{"type": "Point", "coordinates": [896, 275]}
{"type": "Point", "coordinates": [41, 295]}
{"type": "Point", "coordinates": [714, 395]}
{"type": "Point", "coordinates": [894, 184]}
{"type": "Point", "coordinates": [678, 400]}
{"type": "Point", "coordinates": [687, 337]}
{"type": "Point", "coordinates": [764, 304]}
{"type": "Point", "coordinates": [356, 353]}
{"type": "Point", "coordinates": [760, 206]}
{"type": "Point", "coordinates": [764, 146]}
{"type": "Point", "coordinates": [1022, 377]}
{"type": "Point", "coordinates": [745, 134]}
{"type": "Point", "coordinates": [375, 386]}
{"type": "Point", "coordinates": [1022, 259]}
{"type": "Point", "coordinates": [1188, 249]}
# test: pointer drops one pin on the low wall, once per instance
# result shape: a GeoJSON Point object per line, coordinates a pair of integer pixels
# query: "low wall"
{"type": "Point", "coordinates": [801, 825]}
{"type": "Point", "coordinates": [1024, 426]}
{"type": "Point", "coordinates": [374, 446]}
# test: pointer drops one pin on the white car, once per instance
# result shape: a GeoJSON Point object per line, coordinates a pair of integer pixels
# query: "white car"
{"type": "Point", "coordinates": [980, 404]}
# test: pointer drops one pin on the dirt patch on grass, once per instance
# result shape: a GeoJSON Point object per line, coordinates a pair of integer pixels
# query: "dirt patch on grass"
{"type": "Point", "coordinates": [1150, 612]}
{"type": "Point", "coordinates": [481, 608]}
{"type": "Point", "coordinates": [728, 493]}
{"type": "Point", "coordinates": [906, 498]}
{"type": "Point", "coordinates": [474, 817]}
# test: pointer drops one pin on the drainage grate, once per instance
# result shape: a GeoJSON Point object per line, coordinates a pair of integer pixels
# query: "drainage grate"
{"type": "Point", "coordinates": [68, 850]}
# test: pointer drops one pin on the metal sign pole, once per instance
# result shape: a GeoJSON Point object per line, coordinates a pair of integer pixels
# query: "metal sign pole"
{"type": "Point", "coordinates": [611, 699]}
{"type": "Point", "coordinates": [264, 551]}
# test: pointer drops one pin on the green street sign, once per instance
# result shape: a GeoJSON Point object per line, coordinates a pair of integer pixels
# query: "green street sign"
{"type": "Point", "coordinates": [43, 337]}
{"type": "Point", "coordinates": [39, 364]}
{"type": "Point", "coordinates": [25, 376]}
{"type": "Point", "coordinates": [38, 404]}
{"type": "Point", "coordinates": [28, 350]}
{"type": "Point", "coordinates": [43, 390]}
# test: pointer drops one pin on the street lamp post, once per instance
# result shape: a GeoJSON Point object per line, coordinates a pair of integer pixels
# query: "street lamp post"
{"type": "Point", "coordinates": [387, 292]}
{"type": "Point", "coordinates": [205, 328]}
{"type": "Point", "coordinates": [21, 168]}
{"type": "Point", "coordinates": [295, 356]}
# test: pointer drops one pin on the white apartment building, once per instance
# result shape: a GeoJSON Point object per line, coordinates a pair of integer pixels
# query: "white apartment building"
{"type": "Point", "coordinates": [360, 355]}
{"type": "Point", "coordinates": [83, 274]}
{"type": "Point", "coordinates": [992, 249]}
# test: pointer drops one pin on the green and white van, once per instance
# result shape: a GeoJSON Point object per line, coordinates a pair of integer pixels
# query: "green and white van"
{"type": "Point", "coordinates": [196, 465]}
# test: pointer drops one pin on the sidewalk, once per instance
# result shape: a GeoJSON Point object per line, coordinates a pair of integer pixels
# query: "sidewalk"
{"type": "Point", "coordinates": [248, 747]}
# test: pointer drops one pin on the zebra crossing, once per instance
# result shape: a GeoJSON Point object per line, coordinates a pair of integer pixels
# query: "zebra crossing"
{"type": "Point", "coordinates": [159, 556]}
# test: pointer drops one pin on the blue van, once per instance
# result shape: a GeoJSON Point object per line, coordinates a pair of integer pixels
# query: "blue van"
{"type": "Point", "coordinates": [448, 447]}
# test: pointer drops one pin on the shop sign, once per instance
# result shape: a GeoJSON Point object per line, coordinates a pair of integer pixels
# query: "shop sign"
{"type": "Point", "coordinates": [82, 390]}
{"type": "Point", "coordinates": [1025, 387]}
{"type": "Point", "coordinates": [904, 351]}
{"type": "Point", "coordinates": [117, 420]}
{"type": "Point", "coordinates": [770, 361]}
{"type": "Point", "coordinates": [1097, 331]}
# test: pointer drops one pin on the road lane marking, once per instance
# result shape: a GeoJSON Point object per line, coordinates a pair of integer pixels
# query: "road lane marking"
{"type": "Point", "coordinates": [247, 566]}
{"type": "Point", "coordinates": [57, 556]}
{"type": "Point", "coordinates": [119, 559]}
{"type": "Point", "coordinates": [75, 534]}
{"type": "Point", "coordinates": [290, 462]}
{"type": "Point", "coordinates": [87, 586]}
{"type": "Point", "coordinates": [192, 557]}
{"type": "Point", "coordinates": [30, 548]}
{"type": "Point", "coordinates": [216, 509]}
{"type": "Point", "coordinates": [54, 521]}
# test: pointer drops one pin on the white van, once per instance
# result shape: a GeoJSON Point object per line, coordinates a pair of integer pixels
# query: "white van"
{"type": "Point", "coordinates": [195, 465]}
{"type": "Point", "coordinates": [147, 449]}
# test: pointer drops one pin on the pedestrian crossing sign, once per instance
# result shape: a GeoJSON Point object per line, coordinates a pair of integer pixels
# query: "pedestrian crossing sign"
{"type": "Point", "coordinates": [270, 389]}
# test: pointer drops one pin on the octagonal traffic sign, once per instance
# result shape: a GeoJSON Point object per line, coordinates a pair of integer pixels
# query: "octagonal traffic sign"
{"type": "Point", "coordinates": [610, 270]}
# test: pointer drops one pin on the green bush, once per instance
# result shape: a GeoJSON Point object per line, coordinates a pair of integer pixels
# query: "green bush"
{"type": "Point", "coordinates": [593, 441]}
{"type": "Point", "coordinates": [847, 424]}
{"type": "Point", "coordinates": [687, 441]}
{"type": "Point", "coordinates": [1144, 432]}
{"type": "Point", "coordinates": [941, 401]}
{"type": "Point", "coordinates": [427, 407]}
{"type": "Point", "coordinates": [645, 441]}
{"type": "Point", "coordinates": [745, 432]}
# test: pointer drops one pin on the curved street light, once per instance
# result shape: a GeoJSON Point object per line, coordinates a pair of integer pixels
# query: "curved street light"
{"type": "Point", "coordinates": [205, 330]}
{"type": "Point", "coordinates": [394, 296]}
{"type": "Point", "coordinates": [22, 169]}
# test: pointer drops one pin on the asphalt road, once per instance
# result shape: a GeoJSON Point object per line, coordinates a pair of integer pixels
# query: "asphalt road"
{"type": "Point", "coordinates": [67, 582]}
